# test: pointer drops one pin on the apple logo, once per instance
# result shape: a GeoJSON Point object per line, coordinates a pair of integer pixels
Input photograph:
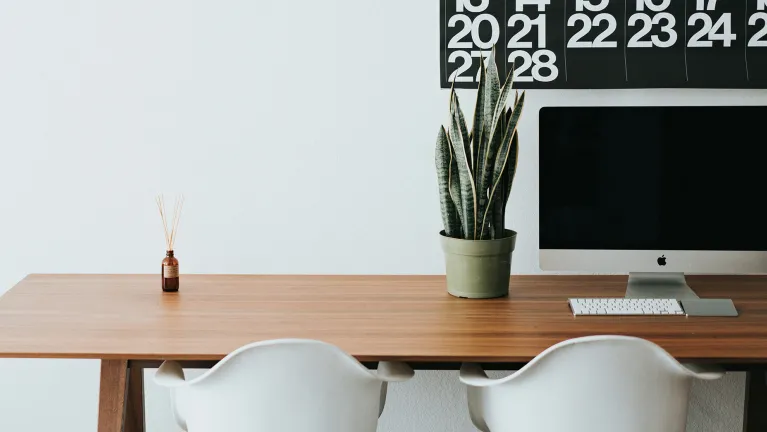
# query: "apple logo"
{"type": "Point", "coordinates": [662, 260]}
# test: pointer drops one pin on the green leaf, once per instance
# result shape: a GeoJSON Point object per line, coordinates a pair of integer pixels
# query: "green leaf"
{"type": "Point", "coordinates": [497, 131]}
{"type": "Point", "coordinates": [495, 128]}
{"type": "Point", "coordinates": [507, 179]}
{"type": "Point", "coordinates": [493, 87]}
{"type": "Point", "coordinates": [443, 159]}
{"type": "Point", "coordinates": [476, 135]}
{"type": "Point", "coordinates": [503, 154]}
{"type": "Point", "coordinates": [511, 170]}
{"type": "Point", "coordinates": [454, 185]}
{"type": "Point", "coordinates": [458, 138]}
{"type": "Point", "coordinates": [491, 99]}
{"type": "Point", "coordinates": [487, 99]}
{"type": "Point", "coordinates": [506, 118]}
{"type": "Point", "coordinates": [465, 133]}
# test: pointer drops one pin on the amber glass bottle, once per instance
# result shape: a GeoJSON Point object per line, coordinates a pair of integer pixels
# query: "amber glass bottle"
{"type": "Point", "coordinates": [169, 273]}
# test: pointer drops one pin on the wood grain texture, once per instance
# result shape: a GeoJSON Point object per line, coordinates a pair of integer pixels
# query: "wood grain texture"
{"type": "Point", "coordinates": [409, 318]}
{"type": "Point", "coordinates": [112, 394]}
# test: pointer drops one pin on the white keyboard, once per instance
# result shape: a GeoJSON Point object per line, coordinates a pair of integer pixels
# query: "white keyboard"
{"type": "Point", "coordinates": [624, 306]}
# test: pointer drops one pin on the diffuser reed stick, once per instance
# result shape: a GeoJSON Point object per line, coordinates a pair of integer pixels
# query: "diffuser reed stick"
{"type": "Point", "coordinates": [170, 236]}
{"type": "Point", "coordinates": [169, 271]}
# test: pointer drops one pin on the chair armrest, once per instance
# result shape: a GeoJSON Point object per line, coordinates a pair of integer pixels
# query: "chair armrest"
{"type": "Point", "coordinates": [391, 372]}
{"type": "Point", "coordinates": [170, 374]}
{"type": "Point", "coordinates": [704, 371]}
{"type": "Point", "coordinates": [475, 378]}
{"type": "Point", "coordinates": [394, 371]}
{"type": "Point", "coordinates": [473, 375]}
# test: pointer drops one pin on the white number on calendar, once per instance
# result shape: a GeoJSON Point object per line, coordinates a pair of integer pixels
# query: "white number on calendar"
{"type": "Point", "coordinates": [463, 57]}
{"type": "Point", "coordinates": [711, 30]}
{"type": "Point", "coordinates": [537, 63]}
{"type": "Point", "coordinates": [527, 25]}
{"type": "Point", "coordinates": [540, 3]}
{"type": "Point", "coordinates": [467, 57]}
{"type": "Point", "coordinates": [647, 23]}
{"type": "Point", "coordinates": [599, 41]}
{"type": "Point", "coordinates": [457, 75]}
{"type": "Point", "coordinates": [707, 4]}
{"type": "Point", "coordinates": [650, 4]}
{"type": "Point", "coordinates": [472, 27]}
{"type": "Point", "coordinates": [494, 35]}
{"type": "Point", "coordinates": [461, 4]}
{"type": "Point", "coordinates": [586, 4]}
{"type": "Point", "coordinates": [756, 39]}
{"type": "Point", "coordinates": [456, 42]}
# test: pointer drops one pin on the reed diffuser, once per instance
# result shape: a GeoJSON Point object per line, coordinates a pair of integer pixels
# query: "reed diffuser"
{"type": "Point", "coordinates": [169, 270]}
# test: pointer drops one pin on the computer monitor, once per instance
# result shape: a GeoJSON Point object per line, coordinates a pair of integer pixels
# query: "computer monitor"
{"type": "Point", "coordinates": [655, 192]}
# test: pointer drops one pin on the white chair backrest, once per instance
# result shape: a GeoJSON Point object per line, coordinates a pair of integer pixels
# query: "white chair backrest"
{"type": "Point", "coordinates": [284, 385]}
{"type": "Point", "coordinates": [592, 384]}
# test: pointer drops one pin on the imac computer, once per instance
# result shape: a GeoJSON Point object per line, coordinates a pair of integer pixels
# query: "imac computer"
{"type": "Point", "coordinates": [654, 191]}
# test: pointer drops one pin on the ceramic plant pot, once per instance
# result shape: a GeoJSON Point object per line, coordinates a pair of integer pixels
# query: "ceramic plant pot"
{"type": "Point", "coordinates": [478, 268]}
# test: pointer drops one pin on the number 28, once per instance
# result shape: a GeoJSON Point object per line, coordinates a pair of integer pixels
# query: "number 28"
{"type": "Point", "coordinates": [536, 61]}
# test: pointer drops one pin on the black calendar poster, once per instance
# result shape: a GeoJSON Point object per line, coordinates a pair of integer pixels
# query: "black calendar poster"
{"type": "Point", "coordinates": [606, 43]}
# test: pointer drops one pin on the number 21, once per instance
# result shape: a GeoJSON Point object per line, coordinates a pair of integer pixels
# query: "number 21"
{"type": "Point", "coordinates": [527, 25]}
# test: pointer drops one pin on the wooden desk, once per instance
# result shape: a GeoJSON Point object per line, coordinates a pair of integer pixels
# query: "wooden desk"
{"type": "Point", "coordinates": [127, 321]}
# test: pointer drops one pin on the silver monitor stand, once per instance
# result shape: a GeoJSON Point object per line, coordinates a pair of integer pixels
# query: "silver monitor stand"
{"type": "Point", "coordinates": [674, 286]}
{"type": "Point", "coordinates": [659, 285]}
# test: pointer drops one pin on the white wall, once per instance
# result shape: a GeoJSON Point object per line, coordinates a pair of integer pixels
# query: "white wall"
{"type": "Point", "coordinates": [300, 131]}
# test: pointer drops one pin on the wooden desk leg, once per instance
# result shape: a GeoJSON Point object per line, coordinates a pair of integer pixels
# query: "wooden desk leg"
{"type": "Point", "coordinates": [121, 397]}
{"type": "Point", "coordinates": [135, 420]}
{"type": "Point", "coordinates": [755, 409]}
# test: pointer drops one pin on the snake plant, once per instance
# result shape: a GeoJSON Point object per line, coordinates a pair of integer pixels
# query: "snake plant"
{"type": "Point", "coordinates": [475, 169]}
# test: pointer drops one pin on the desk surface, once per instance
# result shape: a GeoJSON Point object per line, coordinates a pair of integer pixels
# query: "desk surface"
{"type": "Point", "coordinates": [410, 318]}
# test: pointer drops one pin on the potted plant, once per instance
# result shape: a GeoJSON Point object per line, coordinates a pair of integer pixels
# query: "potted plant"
{"type": "Point", "coordinates": [475, 171]}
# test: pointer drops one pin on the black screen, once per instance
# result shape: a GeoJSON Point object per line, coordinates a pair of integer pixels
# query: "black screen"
{"type": "Point", "coordinates": [653, 178]}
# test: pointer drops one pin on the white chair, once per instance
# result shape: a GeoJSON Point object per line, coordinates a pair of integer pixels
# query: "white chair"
{"type": "Point", "coordinates": [289, 385]}
{"type": "Point", "coordinates": [594, 384]}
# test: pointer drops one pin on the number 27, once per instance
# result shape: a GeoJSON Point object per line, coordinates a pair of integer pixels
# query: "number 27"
{"type": "Point", "coordinates": [466, 56]}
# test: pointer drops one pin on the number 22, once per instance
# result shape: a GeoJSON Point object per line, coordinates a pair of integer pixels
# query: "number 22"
{"type": "Point", "coordinates": [599, 41]}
